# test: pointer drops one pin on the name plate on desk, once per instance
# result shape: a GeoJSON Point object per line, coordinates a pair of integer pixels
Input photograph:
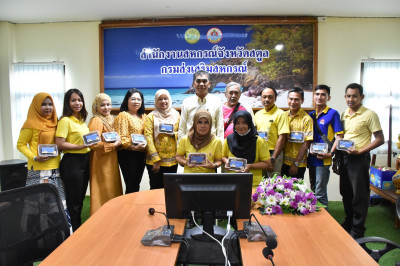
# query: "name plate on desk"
{"type": "Point", "coordinates": [296, 136]}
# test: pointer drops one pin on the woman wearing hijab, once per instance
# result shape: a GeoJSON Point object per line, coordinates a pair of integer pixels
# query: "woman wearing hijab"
{"type": "Point", "coordinates": [161, 145]}
{"type": "Point", "coordinates": [105, 181]}
{"type": "Point", "coordinates": [40, 128]}
{"type": "Point", "coordinates": [200, 140]}
{"type": "Point", "coordinates": [246, 144]}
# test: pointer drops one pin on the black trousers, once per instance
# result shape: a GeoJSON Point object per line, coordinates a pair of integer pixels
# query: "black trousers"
{"type": "Point", "coordinates": [354, 188]}
{"type": "Point", "coordinates": [300, 172]}
{"type": "Point", "coordinates": [132, 166]}
{"type": "Point", "coordinates": [75, 173]}
{"type": "Point", "coordinates": [156, 179]}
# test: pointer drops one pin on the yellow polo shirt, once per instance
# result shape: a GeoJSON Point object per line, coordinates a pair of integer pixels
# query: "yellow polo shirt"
{"type": "Point", "coordinates": [213, 151]}
{"type": "Point", "coordinates": [275, 121]}
{"type": "Point", "coordinates": [360, 126]}
{"type": "Point", "coordinates": [262, 154]}
{"type": "Point", "coordinates": [72, 130]}
{"type": "Point", "coordinates": [299, 122]}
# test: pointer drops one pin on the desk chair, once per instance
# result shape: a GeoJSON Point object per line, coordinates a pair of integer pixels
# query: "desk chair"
{"type": "Point", "coordinates": [32, 224]}
{"type": "Point", "coordinates": [376, 254]}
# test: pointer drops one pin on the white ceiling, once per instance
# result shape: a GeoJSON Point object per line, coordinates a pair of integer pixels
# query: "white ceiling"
{"type": "Point", "coordinates": [36, 11]}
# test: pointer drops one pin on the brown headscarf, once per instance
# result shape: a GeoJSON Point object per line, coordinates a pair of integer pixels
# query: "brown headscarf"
{"type": "Point", "coordinates": [169, 115]}
{"type": "Point", "coordinates": [45, 124]}
{"type": "Point", "coordinates": [200, 141]}
{"type": "Point", "coordinates": [108, 121]}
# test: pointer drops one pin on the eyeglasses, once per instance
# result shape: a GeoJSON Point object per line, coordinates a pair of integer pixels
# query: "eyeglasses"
{"type": "Point", "coordinates": [198, 81]}
{"type": "Point", "coordinates": [136, 100]}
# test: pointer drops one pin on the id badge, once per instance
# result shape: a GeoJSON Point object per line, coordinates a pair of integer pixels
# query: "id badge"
{"type": "Point", "coordinates": [45, 176]}
{"type": "Point", "coordinates": [296, 136]}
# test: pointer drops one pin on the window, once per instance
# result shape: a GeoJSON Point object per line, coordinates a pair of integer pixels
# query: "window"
{"type": "Point", "coordinates": [27, 80]}
{"type": "Point", "coordinates": [381, 82]}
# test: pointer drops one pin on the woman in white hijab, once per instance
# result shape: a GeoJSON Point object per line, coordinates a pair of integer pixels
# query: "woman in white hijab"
{"type": "Point", "coordinates": [161, 134]}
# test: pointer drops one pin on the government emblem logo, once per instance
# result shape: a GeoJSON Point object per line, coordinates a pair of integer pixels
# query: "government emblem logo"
{"type": "Point", "coordinates": [192, 35]}
{"type": "Point", "coordinates": [214, 35]}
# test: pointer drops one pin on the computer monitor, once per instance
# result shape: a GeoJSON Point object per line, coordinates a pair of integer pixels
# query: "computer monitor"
{"type": "Point", "coordinates": [210, 196]}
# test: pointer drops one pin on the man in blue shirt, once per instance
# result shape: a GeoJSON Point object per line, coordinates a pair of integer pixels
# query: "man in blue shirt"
{"type": "Point", "coordinates": [328, 121]}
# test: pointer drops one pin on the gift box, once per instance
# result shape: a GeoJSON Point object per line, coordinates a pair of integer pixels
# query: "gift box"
{"type": "Point", "coordinates": [381, 179]}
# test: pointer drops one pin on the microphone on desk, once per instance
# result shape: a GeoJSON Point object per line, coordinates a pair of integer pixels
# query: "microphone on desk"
{"type": "Point", "coordinates": [152, 211]}
{"type": "Point", "coordinates": [270, 241]}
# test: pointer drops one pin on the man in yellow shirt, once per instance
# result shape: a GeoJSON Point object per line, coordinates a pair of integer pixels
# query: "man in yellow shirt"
{"type": "Point", "coordinates": [276, 122]}
{"type": "Point", "coordinates": [300, 137]}
{"type": "Point", "coordinates": [359, 123]}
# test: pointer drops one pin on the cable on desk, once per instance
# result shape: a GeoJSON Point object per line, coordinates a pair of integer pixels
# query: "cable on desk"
{"type": "Point", "coordinates": [222, 246]}
{"type": "Point", "coordinates": [236, 252]}
{"type": "Point", "coordinates": [182, 239]}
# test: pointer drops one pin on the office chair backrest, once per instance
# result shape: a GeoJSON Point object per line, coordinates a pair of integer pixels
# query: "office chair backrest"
{"type": "Point", "coordinates": [32, 224]}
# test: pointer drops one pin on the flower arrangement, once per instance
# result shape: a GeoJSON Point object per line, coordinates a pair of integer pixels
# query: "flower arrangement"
{"type": "Point", "coordinates": [281, 194]}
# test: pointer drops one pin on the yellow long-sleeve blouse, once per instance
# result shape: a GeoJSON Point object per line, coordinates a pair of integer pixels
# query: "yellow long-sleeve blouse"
{"type": "Point", "coordinates": [163, 147]}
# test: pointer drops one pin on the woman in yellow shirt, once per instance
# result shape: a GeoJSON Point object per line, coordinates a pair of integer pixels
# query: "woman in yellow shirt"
{"type": "Point", "coordinates": [105, 181]}
{"type": "Point", "coordinates": [200, 140]}
{"type": "Point", "coordinates": [74, 166]}
{"type": "Point", "coordinates": [131, 157]}
{"type": "Point", "coordinates": [246, 144]}
{"type": "Point", "coordinates": [40, 128]}
{"type": "Point", "coordinates": [161, 134]}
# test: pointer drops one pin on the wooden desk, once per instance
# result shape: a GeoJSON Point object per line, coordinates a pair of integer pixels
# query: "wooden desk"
{"type": "Point", "coordinates": [112, 237]}
{"type": "Point", "coordinates": [314, 239]}
{"type": "Point", "coordinates": [390, 195]}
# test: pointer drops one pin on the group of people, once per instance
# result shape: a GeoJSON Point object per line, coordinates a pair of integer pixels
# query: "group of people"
{"type": "Point", "coordinates": [271, 141]}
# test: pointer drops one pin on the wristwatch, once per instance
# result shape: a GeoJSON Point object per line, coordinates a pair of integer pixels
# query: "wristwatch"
{"type": "Point", "coordinates": [296, 164]}
{"type": "Point", "coordinates": [215, 166]}
{"type": "Point", "coordinates": [272, 160]}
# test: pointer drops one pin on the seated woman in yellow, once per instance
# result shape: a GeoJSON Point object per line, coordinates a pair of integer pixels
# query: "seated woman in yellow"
{"type": "Point", "coordinates": [200, 140]}
{"type": "Point", "coordinates": [245, 143]}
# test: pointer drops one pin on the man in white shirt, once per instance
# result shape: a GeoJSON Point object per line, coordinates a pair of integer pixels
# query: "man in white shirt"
{"type": "Point", "coordinates": [201, 101]}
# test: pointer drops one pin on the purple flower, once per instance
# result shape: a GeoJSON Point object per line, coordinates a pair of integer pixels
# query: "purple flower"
{"type": "Point", "coordinates": [304, 211]}
{"type": "Point", "coordinates": [255, 197]}
{"type": "Point", "coordinates": [270, 192]}
{"type": "Point", "coordinates": [293, 204]}
{"type": "Point", "coordinates": [259, 189]}
{"type": "Point", "coordinates": [278, 209]}
{"type": "Point", "coordinates": [288, 184]}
